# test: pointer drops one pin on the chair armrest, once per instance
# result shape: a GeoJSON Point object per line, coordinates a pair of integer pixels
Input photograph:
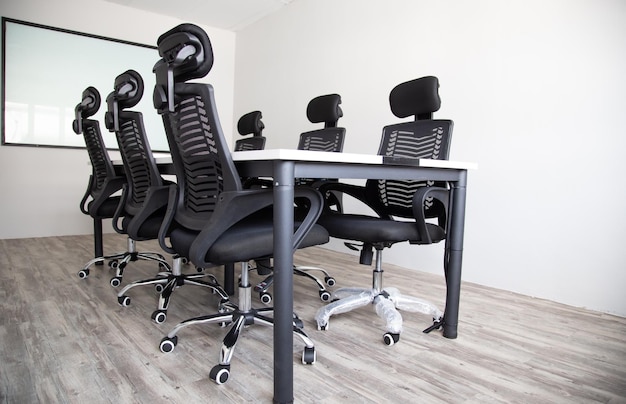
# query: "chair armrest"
{"type": "Point", "coordinates": [119, 212]}
{"type": "Point", "coordinates": [110, 187]}
{"type": "Point", "coordinates": [356, 191]}
{"type": "Point", "coordinates": [233, 207]}
{"type": "Point", "coordinates": [421, 197]}
{"type": "Point", "coordinates": [164, 230]}
{"type": "Point", "coordinates": [315, 210]}
{"type": "Point", "coordinates": [156, 198]}
{"type": "Point", "coordinates": [83, 202]}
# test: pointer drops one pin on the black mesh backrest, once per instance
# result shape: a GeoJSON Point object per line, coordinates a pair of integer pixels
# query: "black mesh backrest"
{"type": "Point", "coordinates": [324, 108]}
{"type": "Point", "coordinates": [250, 123]}
{"type": "Point", "coordinates": [102, 168]}
{"type": "Point", "coordinates": [202, 160]}
{"type": "Point", "coordinates": [423, 138]}
{"type": "Point", "coordinates": [250, 143]}
{"type": "Point", "coordinates": [139, 165]}
{"type": "Point", "coordinates": [327, 139]}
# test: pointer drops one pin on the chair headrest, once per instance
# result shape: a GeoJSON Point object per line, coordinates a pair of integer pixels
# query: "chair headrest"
{"type": "Point", "coordinates": [89, 105]}
{"type": "Point", "coordinates": [419, 98]}
{"type": "Point", "coordinates": [127, 92]}
{"type": "Point", "coordinates": [186, 54]}
{"type": "Point", "coordinates": [325, 108]}
{"type": "Point", "coordinates": [128, 89]}
{"type": "Point", "coordinates": [250, 123]}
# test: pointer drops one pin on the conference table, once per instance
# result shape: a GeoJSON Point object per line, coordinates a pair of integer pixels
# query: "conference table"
{"type": "Point", "coordinates": [284, 166]}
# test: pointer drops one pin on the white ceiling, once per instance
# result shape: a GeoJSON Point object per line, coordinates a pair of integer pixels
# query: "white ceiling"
{"type": "Point", "coordinates": [231, 15]}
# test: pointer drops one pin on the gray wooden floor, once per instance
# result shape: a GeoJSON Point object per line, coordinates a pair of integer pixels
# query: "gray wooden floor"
{"type": "Point", "coordinates": [66, 340]}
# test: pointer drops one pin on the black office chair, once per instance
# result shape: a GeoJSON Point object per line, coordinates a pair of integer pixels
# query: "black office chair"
{"type": "Point", "coordinates": [100, 200]}
{"type": "Point", "coordinates": [402, 207]}
{"type": "Point", "coordinates": [326, 109]}
{"type": "Point", "coordinates": [250, 123]}
{"type": "Point", "coordinates": [145, 197]}
{"type": "Point", "coordinates": [211, 217]}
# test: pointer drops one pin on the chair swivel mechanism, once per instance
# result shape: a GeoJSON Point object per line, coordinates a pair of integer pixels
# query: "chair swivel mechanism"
{"type": "Point", "coordinates": [146, 194]}
{"type": "Point", "coordinates": [326, 109]}
{"type": "Point", "coordinates": [212, 219]}
{"type": "Point", "coordinates": [402, 208]}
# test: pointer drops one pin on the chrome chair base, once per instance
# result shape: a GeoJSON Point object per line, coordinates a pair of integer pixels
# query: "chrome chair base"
{"type": "Point", "coordinates": [166, 282]}
{"type": "Point", "coordinates": [239, 316]}
{"type": "Point", "coordinates": [119, 261]}
{"type": "Point", "coordinates": [386, 301]}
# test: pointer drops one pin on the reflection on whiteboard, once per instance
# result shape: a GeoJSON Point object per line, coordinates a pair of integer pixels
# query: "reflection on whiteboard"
{"type": "Point", "coordinates": [46, 71]}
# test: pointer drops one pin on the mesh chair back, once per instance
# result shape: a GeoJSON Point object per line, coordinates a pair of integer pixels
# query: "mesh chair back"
{"type": "Point", "coordinates": [250, 143]}
{"type": "Point", "coordinates": [424, 138]}
{"type": "Point", "coordinates": [98, 156]}
{"type": "Point", "coordinates": [327, 139]}
{"type": "Point", "coordinates": [141, 169]}
{"type": "Point", "coordinates": [202, 160]}
{"type": "Point", "coordinates": [428, 139]}
{"type": "Point", "coordinates": [102, 168]}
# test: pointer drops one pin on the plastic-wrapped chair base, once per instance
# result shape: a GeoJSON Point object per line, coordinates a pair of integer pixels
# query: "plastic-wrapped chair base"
{"type": "Point", "coordinates": [387, 303]}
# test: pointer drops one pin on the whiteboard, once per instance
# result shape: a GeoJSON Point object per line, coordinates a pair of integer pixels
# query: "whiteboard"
{"type": "Point", "coordinates": [45, 71]}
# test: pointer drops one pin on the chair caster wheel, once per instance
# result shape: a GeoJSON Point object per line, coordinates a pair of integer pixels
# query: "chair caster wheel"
{"type": "Point", "coordinates": [266, 298]}
{"type": "Point", "coordinates": [123, 301]}
{"type": "Point", "coordinates": [324, 295]}
{"type": "Point", "coordinates": [322, 327]}
{"type": "Point", "coordinates": [220, 374]}
{"type": "Point", "coordinates": [159, 288]}
{"type": "Point", "coordinates": [168, 344]}
{"type": "Point", "coordinates": [309, 356]}
{"type": "Point", "coordinates": [330, 281]}
{"type": "Point", "coordinates": [159, 316]}
{"type": "Point", "coordinates": [116, 281]}
{"type": "Point", "coordinates": [83, 273]}
{"type": "Point", "coordinates": [391, 338]}
{"type": "Point", "coordinates": [113, 264]}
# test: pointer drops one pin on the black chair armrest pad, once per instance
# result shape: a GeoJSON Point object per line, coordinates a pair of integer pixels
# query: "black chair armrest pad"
{"type": "Point", "coordinates": [420, 199]}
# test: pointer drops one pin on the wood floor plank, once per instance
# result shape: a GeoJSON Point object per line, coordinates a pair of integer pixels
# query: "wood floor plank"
{"type": "Point", "coordinates": [67, 340]}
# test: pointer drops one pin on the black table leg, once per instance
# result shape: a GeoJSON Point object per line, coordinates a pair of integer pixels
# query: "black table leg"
{"type": "Point", "coordinates": [283, 281]}
{"type": "Point", "coordinates": [97, 240]}
{"type": "Point", "coordinates": [454, 257]}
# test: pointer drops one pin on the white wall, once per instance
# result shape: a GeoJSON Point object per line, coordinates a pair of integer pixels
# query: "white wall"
{"type": "Point", "coordinates": [537, 92]}
{"type": "Point", "coordinates": [40, 188]}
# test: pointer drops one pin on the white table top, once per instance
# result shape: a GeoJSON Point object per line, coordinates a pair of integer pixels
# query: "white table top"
{"type": "Point", "coordinates": [347, 158]}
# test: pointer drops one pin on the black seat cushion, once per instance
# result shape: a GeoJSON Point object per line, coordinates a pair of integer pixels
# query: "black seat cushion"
{"type": "Point", "coordinates": [149, 229]}
{"type": "Point", "coordinates": [259, 242]}
{"type": "Point", "coordinates": [106, 210]}
{"type": "Point", "coordinates": [371, 229]}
